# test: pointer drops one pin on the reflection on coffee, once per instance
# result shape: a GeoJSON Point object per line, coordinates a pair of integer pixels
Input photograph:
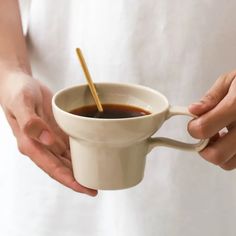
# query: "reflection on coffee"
{"type": "Point", "coordinates": [110, 111]}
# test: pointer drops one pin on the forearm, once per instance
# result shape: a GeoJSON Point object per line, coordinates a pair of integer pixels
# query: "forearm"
{"type": "Point", "coordinates": [13, 50]}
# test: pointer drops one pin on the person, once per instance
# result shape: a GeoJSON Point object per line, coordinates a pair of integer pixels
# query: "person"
{"type": "Point", "coordinates": [178, 49]}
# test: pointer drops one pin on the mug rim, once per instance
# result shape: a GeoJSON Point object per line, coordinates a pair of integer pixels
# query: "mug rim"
{"type": "Point", "coordinates": [115, 119]}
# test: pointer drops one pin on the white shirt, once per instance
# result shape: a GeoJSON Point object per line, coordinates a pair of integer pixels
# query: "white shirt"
{"type": "Point", "coordinates": [176, 47]}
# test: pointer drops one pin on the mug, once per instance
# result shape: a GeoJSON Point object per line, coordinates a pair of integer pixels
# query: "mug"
{"type": "Point", "coordinates": [109, 154]}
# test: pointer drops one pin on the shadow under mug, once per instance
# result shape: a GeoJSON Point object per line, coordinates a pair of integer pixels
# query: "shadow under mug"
{"type": "Point", "coordinates": [110, 154]}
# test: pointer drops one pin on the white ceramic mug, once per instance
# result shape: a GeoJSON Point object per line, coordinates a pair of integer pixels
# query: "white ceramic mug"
{"type": "Point", "coordinates": [111, 153]}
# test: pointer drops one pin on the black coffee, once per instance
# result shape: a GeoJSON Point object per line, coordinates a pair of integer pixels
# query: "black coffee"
{"type": "Point", "coordinates": [110, 111]}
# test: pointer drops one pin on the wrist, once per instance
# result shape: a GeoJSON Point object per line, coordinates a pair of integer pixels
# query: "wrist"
{"type": "Point", "coordinates": [9, 71]}
{"type": "Point", "coordinates": [8, 67]}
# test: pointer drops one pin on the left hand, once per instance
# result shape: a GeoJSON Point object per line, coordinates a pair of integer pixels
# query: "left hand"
{"type": "Point", "coordinates": [27, 105]}
{"type": "Point", "coordinates": [217, 110]}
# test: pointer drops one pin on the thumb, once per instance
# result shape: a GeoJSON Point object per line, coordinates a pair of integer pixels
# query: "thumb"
{"type": "Point", "coordinates": [38, 129]}
{"type": "Point", "coordinates": [216, 93]}
{"type": "Point", "coordinates": [33, 125]}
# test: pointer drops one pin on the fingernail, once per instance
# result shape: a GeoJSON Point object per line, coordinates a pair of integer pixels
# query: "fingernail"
{"type": "Point", "coordinates": [197, 104]}
{"type": "Point", "coordinates": [45, 137]}
{"type": "Point", "coordinates": [92, 193]}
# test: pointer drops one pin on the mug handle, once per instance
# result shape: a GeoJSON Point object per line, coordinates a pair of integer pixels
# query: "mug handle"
{"type": "Point", "coordinates": [167, 142]}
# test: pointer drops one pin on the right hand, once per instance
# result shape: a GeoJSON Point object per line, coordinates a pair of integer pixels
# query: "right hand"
{"type": "Point", "coordinates": [27, 106]}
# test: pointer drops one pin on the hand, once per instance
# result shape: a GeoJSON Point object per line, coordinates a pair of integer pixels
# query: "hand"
{"type": "Point", "coordinates": [27, 106]}
{"type": "Point", "coordinates": [217, 110]}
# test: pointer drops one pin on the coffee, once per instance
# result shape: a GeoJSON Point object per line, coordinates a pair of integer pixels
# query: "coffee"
{"type": "Point", "coordinates": [110, 111]}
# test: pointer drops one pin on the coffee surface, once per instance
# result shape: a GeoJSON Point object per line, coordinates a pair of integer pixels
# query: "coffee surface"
{"type": "Point", "coordinates": [110, 111]}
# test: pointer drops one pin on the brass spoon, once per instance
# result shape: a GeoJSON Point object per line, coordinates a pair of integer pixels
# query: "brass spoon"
{"type": "Point", "coordinates": [89, 80]}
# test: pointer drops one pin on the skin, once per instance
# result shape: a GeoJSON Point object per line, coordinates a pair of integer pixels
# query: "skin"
{"type": "Point", "coordinates": [217, 110]}
{"type": "Point", "coordinates": [27, 106]}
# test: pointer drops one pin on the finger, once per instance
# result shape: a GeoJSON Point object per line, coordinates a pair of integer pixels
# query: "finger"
{"type": "Point", "coordinates": [222, 150]}
{"type": "Point", "coordinates": [13, 123]}
{"type": "Point", "coordinates": [44, 110]}
{"type": "Point", "coordinates": [213, 121]}
{"type": "Point", "coordinates": [37, 129]}
{"type": "Point", "coordinates": [17, 132]}
{"type": "Point", "coordinates": [52, 165]}
{"type": "Point", "coordinates": [214, 138]}
{"type": "Point", "coordinates": [66, 161]}
{"type": "Point", "coordinates": [229, 165]}
{"type": "Point", "coordinates": [24, 110]}
{"type": "Point", "coordinates": [67, 154]}
{"type": "Point", "coordinates": [216, 93]}
{"type": "Point", "coordinates": [59, 133]}
{"type": "Point", "coordinates": [57, 146]}
{"type": "Point", "coordinates": [34, 126]}
{"type": "Point", "coordinates": [231, 126]}
{"type": "Point", "coordinates": [28, 120]}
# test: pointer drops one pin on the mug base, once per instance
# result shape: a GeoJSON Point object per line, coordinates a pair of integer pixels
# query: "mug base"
{"type": "Point", "coordinates": [97, 186]}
